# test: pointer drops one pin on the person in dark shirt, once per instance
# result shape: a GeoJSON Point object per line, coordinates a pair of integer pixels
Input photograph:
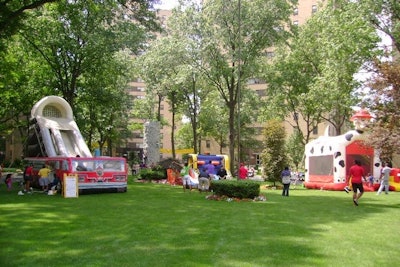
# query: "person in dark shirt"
{"type": "Point", "coordinates": [222, 173]}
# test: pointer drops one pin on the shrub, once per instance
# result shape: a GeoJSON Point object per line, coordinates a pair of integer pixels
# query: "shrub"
{"type": "Point", "coordinates": [150, 174]}
{"type": "Point", "coordinates": [236, 189]}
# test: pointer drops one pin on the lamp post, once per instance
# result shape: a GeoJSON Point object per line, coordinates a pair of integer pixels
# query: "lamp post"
{"type": "Point", "coordinates": [238, 83]}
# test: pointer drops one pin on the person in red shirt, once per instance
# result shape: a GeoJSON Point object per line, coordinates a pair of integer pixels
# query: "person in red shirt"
{"type": "Point", "coordinates": [28, 177]}
{"type": "Point", "coordinates": [357, 174]}
{"type": "Point", "coordinates": [242, 171]}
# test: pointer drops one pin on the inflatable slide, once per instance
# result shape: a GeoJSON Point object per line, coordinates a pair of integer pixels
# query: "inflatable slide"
{"type": "Point", "coordinates": [53, 131]}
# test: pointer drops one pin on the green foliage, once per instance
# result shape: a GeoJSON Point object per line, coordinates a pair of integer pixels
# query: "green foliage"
{"type": "Point", "coordinates": [313, 75]}
{"type": "Point", "coordinates": [152, 174]}
{"type": "Point", "coordinates": [295, 149]}
{"type": "Point", "coordinates": [12, 13]}
{"type": "Point", "coordinates": [236, 189]}
{"type": "Point", "coordinates": [383, 97]}
{"type": "Point", "coordinates": [227, 35]}
{"type": "Point", "coordinates": [274, 158]}
{"type": "Point", "coordinates": [385, 129]}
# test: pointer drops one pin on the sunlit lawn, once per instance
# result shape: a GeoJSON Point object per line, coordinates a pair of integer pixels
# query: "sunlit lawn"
{"type": "Point", "coordinates": [160, 225]}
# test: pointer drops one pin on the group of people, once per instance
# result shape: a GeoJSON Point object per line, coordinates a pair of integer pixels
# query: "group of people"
{"type": "Point", "coordinates": [357, 175]}
{"type": "Point", "coordinates": [47, 178]}
{"type": "Point", "coordinates": [207, 173]}
{"type": "Point", "coordinates": [354, 180]}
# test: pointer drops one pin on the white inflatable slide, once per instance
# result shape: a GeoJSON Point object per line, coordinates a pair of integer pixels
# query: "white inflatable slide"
{"type": "Point", "coordinates": [56, 129]}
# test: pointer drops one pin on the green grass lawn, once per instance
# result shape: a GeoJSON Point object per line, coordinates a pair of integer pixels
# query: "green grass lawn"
{"type": "Point", "coordinates": [160, 225]}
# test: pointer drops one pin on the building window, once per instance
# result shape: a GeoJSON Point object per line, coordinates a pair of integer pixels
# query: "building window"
{"type": "Point", "coordinates": [295, 116]}
{"type": "Point", "coordinates": [137, 135]}
{"type": "Point", "coordinates": [258, 159]}
{"type": "Point", "coordinates": [296, 23]}
{"type": "Point", "coordinates": [315, 130]}
{"type": "Point", "coordinates": [314, 8]}
{"type": "Point", "coordinates": [261, 92]}
{"type": "Point", "coordinates": [296, 11]}
{"type": "Point", "coordinates": [270, 54]}
{"type": "Point", "coordinates": [208, 144]}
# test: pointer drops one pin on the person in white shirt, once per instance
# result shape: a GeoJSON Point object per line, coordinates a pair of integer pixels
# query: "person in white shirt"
{"type": "Point", "coordinates": [384, 179]}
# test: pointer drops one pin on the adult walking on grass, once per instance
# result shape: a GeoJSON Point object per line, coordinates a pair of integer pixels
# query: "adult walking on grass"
{"type": "Point", "coordinates": [286, 181]}
{"type": "Point", "coordinates": [357, 174]}
{"type": "Point", "coordinates": [384, 179]}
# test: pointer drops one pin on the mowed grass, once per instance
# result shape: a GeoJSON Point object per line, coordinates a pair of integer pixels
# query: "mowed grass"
{"type": "Point", "coordinates": [160, 225]}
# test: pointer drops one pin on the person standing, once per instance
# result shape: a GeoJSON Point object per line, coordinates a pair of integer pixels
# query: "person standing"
{"type": "Point", "coordinates": [28, 177]}
{"type": "Point", "coordinates": [286, 181]}
{"type": "Point", "coordinates": [8, 181]}
{"type": "Point", "coordinates": [210, 169]}
{"type": "Point", "coordinates": [242, 171]}
{"type": "Point", "coordinates": [370, 180]}
{"type": "Point", "coordinates": [385, 173]}
{"type": "Point", "coordinates": [44, 177]}
{"type": "Point", "coordinates": [186, 177]}
{"type": "Point", "coordinates": [357, 174]}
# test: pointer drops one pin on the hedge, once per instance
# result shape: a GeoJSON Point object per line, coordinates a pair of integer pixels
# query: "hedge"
{"type": "Point", "coordinates": [236, 189]}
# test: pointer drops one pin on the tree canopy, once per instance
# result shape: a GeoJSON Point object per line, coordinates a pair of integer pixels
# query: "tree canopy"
{"type": "Point", "coordinates": [82, 51]}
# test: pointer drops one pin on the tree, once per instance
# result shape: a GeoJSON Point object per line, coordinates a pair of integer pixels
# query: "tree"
{"type": "Point", "coordinates": [385, 104]}
{"type": "Point", "coordinates": [274, 158]}
{"type": "Point", "coordinates": [313, 74]}
{"type": "Point", "coordinates": [182, 29]}
{"type": "Point", "coordinates": [104, 104]}
{"type": "Point", "coordinates": [232, 37]}
{"type": "Point", "coordinates": [72, 49]}
{"type": "Point", "coordinates": [20, 86]}
{"type": "Point", "coordinates": [75, 37]}
{"type": "Point", "coordinates": [170, 81]}
{"type": "Point", "coordinates": [384, 15]}
{"type": "Point", "coordinates": [213, 119]}
{"type": "Point", "coordinates": [295, 149]}
{"type": "Point", "coordinates": [13, 12]}
{"type": "Point", "coordinates": [383, 98]}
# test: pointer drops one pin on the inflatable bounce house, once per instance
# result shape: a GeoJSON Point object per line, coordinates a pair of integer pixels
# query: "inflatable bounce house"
{"type": "Point", "coordinates": [197, 161]}
{"type": "Point", "coordinates": [329, 158]}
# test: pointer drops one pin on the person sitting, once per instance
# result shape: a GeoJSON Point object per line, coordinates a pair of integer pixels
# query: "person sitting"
{"type": "Point", "coordinates": [204, 180]}
{"type": "Point", "coordinates": [222, 173]}
{"type": "Point", "coordinates": [55, 184]}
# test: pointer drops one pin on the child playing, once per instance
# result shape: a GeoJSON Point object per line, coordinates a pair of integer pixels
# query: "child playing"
{"type": "Point", "coordinates": [8, 182]}
{"type": "Point", "coordinates": [370, 180]}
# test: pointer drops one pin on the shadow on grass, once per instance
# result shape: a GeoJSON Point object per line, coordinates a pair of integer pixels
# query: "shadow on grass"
{"type": "Point", "coordinates": [160, 225]}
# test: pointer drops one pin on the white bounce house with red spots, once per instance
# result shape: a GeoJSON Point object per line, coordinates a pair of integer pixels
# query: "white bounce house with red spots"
{"type": "Point", "coordinates": [329, 158]}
